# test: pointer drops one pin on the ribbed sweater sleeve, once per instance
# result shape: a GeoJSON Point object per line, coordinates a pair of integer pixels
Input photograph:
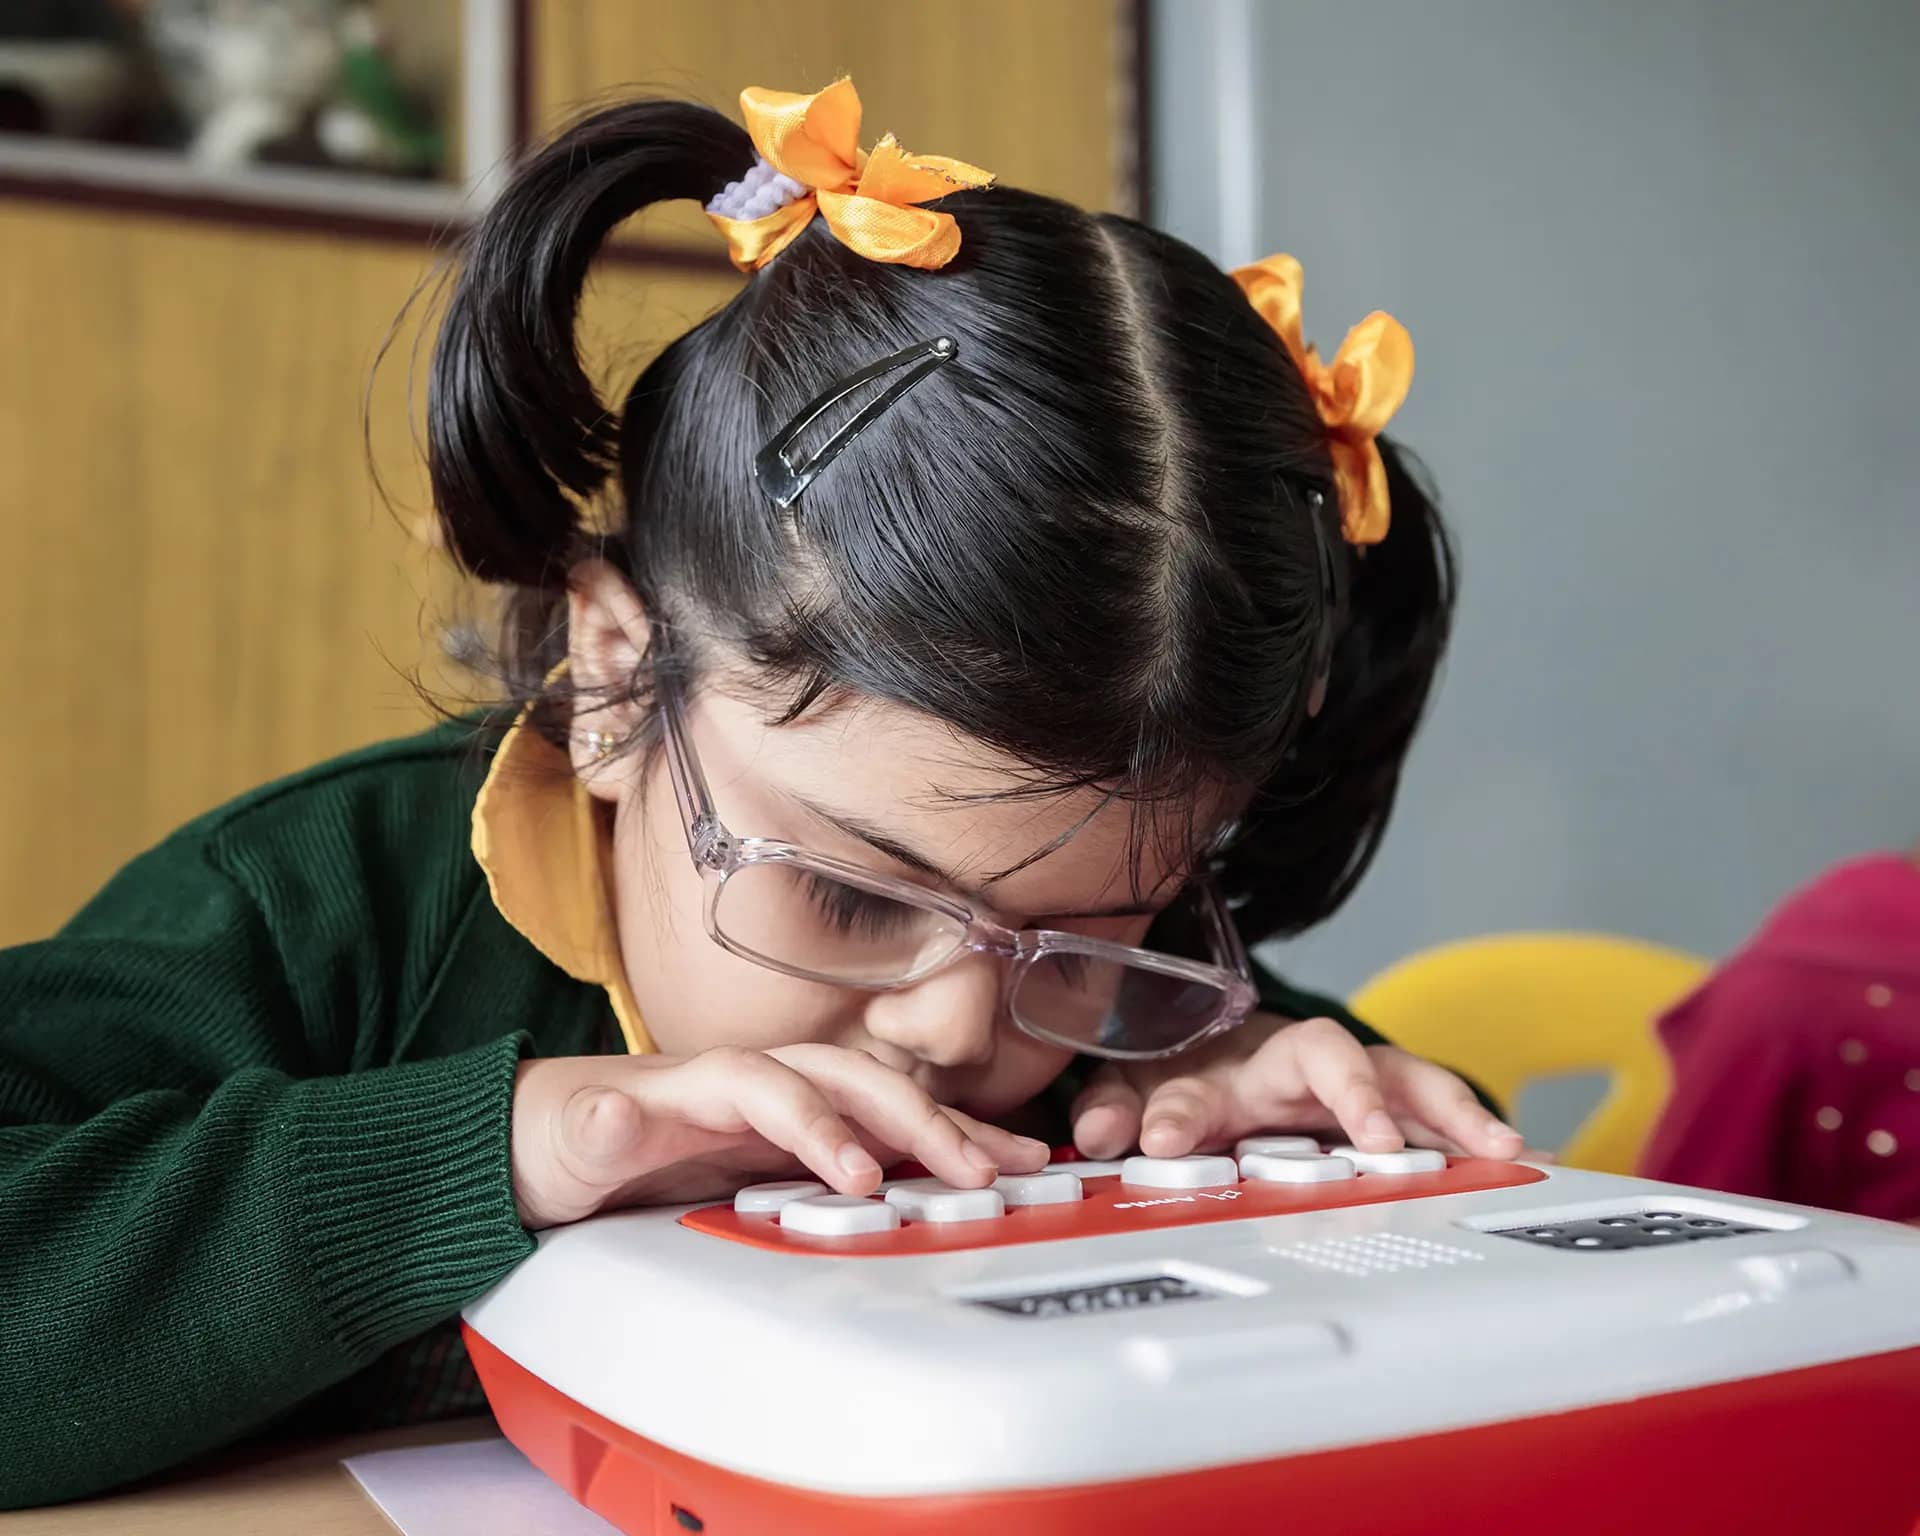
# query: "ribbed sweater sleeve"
{"type": "Point", "coordinates": [210, 1207]}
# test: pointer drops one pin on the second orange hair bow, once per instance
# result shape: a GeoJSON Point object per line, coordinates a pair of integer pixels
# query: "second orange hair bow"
{"type": "Point", "coordinates": [1356, 394]}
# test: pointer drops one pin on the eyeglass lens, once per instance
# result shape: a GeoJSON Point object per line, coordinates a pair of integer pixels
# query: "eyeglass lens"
{"type": "Point", "coordinates": [805, 920]}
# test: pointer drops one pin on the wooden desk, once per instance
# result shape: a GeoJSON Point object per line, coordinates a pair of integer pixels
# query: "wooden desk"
{"type": "Point", "coordinates": [290, 1489]}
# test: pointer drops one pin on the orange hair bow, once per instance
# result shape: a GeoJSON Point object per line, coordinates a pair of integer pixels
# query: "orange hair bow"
{"type": "Point", "coordinates": [868, 199]}
{"type": "Point", "coordinates": [1356, 394]}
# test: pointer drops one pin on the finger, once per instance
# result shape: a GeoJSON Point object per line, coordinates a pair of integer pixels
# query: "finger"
{"type": "Point", "coordinates": [1340, 1073]}
{"type": "Point", "coordinates": [731, 1090]}
{"type": "Point", "coordinates": [1013, 1152]}
{"type": "Point", "coordinates": [896, 1109]}
{"type": "Point", "coordinates": [1180, 1114]}
{"type": "Point", "coordinates": [1427, 1092]}
{"type": "Point", "coordinates": [1106, 1114]}
{"type": "Point", "coordinates": [1419, 1135]}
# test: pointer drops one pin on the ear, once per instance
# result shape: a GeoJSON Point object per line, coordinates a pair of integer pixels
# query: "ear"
{"type": "Point", "coordinates": [607, 636]}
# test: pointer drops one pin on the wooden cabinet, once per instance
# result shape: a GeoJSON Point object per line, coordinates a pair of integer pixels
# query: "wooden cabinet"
{"type": "Point", "coordinates": [199, 587]}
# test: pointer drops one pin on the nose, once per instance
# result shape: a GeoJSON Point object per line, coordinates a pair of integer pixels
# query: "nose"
{"type": "Point", "coordinates": [948, 1019]}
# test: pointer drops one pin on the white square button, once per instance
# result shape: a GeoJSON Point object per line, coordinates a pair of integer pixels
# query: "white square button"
{"type": "Point", "coordinates": [763, 1199]}
{"type": "Point", "coordinates": [1409, 1160]}
{"type": "Point", "coordinates": [1194, 1172]}
{"type": "Point", "coordinates": [838, 1215]}
{"type": "Point", "coordinates": [1277, 1146]}
{"type": "Point", "coordinates": [1039, 1188]}
{"type": "Point", "coordinates": [1263, 1168]}
{"type": "Point", "coordinates": [930, 1200]}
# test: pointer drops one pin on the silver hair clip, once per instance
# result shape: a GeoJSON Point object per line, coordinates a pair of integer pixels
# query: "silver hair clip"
{"type": "Point", "coordinates": [783, 479]}
{"type": "Point", "coordinates": [1332, 600]}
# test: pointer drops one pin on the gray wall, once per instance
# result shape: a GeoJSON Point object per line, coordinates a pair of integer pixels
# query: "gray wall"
{"type": "Point", "coordinates": [1659, 262]}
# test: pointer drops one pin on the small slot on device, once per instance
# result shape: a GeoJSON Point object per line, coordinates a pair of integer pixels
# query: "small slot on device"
{"type": "Point", "coordinates": [1121, 1295]}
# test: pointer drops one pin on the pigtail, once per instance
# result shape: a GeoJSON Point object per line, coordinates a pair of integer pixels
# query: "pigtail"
{"type": "Point", "coordinates": [1399, 614]}
{"type": "Point", "coordinates": [1317, 823]}
{"type": "Point", "coordinates": [517, 435]}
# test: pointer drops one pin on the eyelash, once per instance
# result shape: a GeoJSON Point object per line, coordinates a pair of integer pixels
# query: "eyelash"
{"type": "Point", "coordinates": [1072, 967]}
{"type": "Point", "coordinates": [849, 908]}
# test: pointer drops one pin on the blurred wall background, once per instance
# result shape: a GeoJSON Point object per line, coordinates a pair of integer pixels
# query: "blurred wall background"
{"type": "Point", "coordinates": [1659, 262]}
{"type": "Point", "coordinates": [199, 589]}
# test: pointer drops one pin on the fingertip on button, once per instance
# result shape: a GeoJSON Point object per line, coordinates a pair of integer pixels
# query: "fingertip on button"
{"type": "Point", "coordinates": [1160, 1137]}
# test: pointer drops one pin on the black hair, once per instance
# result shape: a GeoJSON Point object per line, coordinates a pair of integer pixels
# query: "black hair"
{"type": "Point", "coordinates": [1088, 542]}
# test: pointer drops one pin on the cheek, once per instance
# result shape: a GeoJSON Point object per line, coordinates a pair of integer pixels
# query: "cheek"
{"type": "Point", "coordinates": [693, 994]}
{"type": "Point", "coordinates": [701, 997]}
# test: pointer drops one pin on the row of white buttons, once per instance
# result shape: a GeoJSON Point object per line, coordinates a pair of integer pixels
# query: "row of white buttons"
{"type": "Point", "coordinates": [804, 1206]}
{"type": "Point", "coordinates": [1275, 1160]}
{"type": "Point", "coordinates": [1202, 1172]}
{"type": "Point", "coordinates": [1407, 1160]}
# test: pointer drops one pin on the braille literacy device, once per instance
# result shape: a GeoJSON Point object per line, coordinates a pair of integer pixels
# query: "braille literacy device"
{"type": "Point", "coordinates": [1285, 1340]}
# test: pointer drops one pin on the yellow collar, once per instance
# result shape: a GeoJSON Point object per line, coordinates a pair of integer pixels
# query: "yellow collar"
{"type": "Point", "coordinates": [545, 849]}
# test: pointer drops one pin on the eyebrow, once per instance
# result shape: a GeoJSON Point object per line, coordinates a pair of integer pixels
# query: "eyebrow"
{"type": "Point", "coordinates": [900, 853]}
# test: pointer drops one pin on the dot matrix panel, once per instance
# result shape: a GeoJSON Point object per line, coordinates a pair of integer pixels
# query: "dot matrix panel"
{"type": "Point", "coordinates": [921, 1216]}
{"type": "Point", "coordinates": [1629, 1229]}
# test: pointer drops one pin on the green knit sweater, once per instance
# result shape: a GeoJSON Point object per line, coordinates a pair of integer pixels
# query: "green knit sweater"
{"type": "Point", "coordinates": [254, 1105]}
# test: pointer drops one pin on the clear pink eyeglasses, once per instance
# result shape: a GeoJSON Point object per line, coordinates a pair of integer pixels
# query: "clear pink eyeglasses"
{"type": "Point", "coordinates": [819, 918]}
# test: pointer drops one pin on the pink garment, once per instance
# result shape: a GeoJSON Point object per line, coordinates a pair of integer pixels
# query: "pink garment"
{"type": "Point", "coordinates": [1797, 1063]}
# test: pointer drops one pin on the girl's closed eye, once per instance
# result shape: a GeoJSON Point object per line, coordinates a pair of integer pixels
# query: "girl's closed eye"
{"type": "Point", "coordinates": [854, 912]}
{"type": "Point", "coordinates": [1071, 968]}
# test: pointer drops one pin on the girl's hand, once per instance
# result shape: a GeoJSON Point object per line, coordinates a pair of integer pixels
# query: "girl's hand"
{"type": "Point", "coordinates": [593, 1132]}
{"type": "Point", "coordinates": [1271, 1074]}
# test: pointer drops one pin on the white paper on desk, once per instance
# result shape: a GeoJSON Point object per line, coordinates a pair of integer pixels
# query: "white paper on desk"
{"type": "Point", "coordinates": [474, 1488]}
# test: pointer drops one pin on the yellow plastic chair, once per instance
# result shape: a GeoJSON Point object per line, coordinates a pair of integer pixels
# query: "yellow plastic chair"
{"type": "Point", "coordinates": [1512, 1009]}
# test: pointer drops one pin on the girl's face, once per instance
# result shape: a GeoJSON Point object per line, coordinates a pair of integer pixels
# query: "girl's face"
{"type": "Point", "coordinates": [875, 785]}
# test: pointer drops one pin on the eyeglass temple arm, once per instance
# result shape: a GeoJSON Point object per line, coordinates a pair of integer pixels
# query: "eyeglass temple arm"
{"type": "Point", "coordinates": [783, 480]}
{"type": "Point", "coordinates": [1232, 945]}
{"type": "Point", "coordinates": [697, 814]}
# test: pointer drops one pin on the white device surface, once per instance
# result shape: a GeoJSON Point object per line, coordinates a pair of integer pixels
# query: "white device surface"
{"type": "Point", "coordinates": [1221, 1330]}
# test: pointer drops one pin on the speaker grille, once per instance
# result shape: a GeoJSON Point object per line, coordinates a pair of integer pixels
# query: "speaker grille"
{"type": "Point", "coordinates": [1377, 1253]}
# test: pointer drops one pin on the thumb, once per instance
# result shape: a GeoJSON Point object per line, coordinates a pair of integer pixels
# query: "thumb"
{"type": "Point", "coordinates": [599, 1133]}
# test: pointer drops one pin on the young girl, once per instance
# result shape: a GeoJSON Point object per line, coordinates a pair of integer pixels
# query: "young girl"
{"type": "Point", "coordinates": [1000, 596]}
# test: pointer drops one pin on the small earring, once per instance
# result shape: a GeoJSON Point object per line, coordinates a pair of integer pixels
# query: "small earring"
{"type": "Point", "coordinates": [600, 744]}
